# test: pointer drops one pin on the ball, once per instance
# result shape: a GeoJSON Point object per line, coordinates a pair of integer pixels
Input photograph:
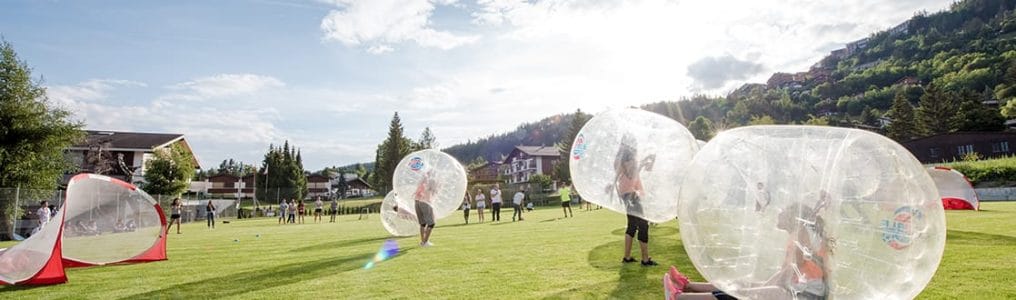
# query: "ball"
{"type": "Point", "coordinates": [799, 212]}
{"type": "Point", "coordinates": [632, 161]}
{"type": "Point", "coordinates": [398, 222]}
{"type": "Point", "coordinates": [429, 180]}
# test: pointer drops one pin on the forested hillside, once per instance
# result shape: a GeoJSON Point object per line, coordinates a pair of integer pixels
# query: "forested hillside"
{"type": "Point", "coordinates": [953, 70]}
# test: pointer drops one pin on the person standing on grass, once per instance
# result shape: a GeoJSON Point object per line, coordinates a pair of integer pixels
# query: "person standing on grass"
{"type": "Point", "coordinates": [565, 192]}
{"type": "Point", "coordinates": [481, 203]}
{"type": "Point", "coordinates": [495, 203]}
{"type": "Point", "coordinates": [335, 210]}
{"type": "Point", "coordinates": [424, 197]}
{"type": "Point", "coordinates": [318, 208]}
{"type": "Point", "coordinates": [301, 211]}
{"type": "Point", "coordinates": [44, 215]}
{"type": "Point", "coordinates": [628, 185]}
{"type": "Point", "coordinates": [291, 212]}
{"type": "Point", "coordinates": [517, 201]}
{"type": "Point", "coordinates": [176, 209]}
{"type": "Point", "coordinates": [283, 208]}
{"type": "Point", "coordinates": [465, 208]}
{"type": "Point", "coordinates": [210, 214]}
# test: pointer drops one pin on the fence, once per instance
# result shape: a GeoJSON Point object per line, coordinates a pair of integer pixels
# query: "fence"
{"type": "Point", "coordinates": [996, 194]}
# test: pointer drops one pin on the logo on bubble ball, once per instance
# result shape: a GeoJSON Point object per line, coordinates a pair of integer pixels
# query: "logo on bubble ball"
{"type": "Point", "coordinates": [580, 147]}
{"type": "Point", "coordinates": [415, 163]}
{"type": "Point", "coordinates": [898, 231]}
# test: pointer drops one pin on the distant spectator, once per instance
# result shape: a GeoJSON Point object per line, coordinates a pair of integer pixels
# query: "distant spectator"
{"type": "Point", "coordinates": [283, 207]}
{"type": "Point", "coordinates": [495, 203]}
{"type": "Point", "coordinates": [210, 213]}
{"type": "Point", "coordinates": [301, 211]}
{"type": "Point", "coordinates": [335, 210]}
{"type": "Point", "coordinates": [292, 212]}
{"type": "Point", "coordinates": [318, 208]}
{"type": "Point", "coordinates": [529, 206]}
{"type": "Point", "coordinates": [481, 203]}
{"type": "Point", "coordinates": [517, 202]}
{"type": "Point", "coordinates": [465, 208]}
{"type": "Point", "coordinates": [176, 208]}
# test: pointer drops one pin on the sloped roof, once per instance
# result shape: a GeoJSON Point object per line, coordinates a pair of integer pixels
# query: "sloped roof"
{"type": "Point", "coordinates": [128, 140]}
{"type": "Point", "coordinates": [539, 150]}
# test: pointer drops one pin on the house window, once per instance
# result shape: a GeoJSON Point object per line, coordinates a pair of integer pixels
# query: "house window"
{"type": "Point", "coordinates": [965, 149]}
{"type": "Point", "coordinates": [1000, 147]}
{"type": "Point", "coordinates": [935, 152]}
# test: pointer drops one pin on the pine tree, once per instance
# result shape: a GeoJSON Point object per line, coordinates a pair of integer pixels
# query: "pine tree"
{"type": "Point", "coordinates": [562, 171]}
{"type": "Point", "coordinates": [33, 134]}
{"type": "Point", "coordinates": [937, 110]}
{"type": "Point", "coordinates": [973, 115]}
{"type": "Point", "coordinates": [391, 152]}
{"type": "Point", "coordinates": [903, 127]}
{"type": "Point", "coordinates": [427, 140]}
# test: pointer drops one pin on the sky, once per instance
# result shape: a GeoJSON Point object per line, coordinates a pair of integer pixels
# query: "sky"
{"type": "Point", "coordinates": [237, 76]}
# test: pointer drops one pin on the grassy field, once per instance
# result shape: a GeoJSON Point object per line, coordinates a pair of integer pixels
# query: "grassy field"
{"type": "Point", "coordinates": [545, 256]}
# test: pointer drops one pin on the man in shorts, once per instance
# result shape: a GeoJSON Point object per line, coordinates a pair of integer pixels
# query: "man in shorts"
{"type": "Point", "coordinates": [318, 208]}
{"type": "Point", "coordinates": [335, 210]}
{"type": "Point", "coordinates": [565, 192]}
{"type": "Point", "coordinates": [423, 197]}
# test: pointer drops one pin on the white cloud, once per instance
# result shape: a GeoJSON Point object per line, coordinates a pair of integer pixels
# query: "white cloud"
{"type": "Point", "coordinates": [379, 24]}
{"type": "Point", "coordinates": [95, 89]}
{"type": "Point", "coordinates": [226, 85]}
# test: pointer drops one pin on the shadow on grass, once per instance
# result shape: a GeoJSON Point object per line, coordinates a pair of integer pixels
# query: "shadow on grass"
{"type": "Point", "coordinates": [661, 231]}
{"type": "Point", "coordinates": [257, 280]}
{"type": "Point", "coordinates": [977, 238]}
{"type": "Point", "coordinates": [552, 220]}
{"type": "Point", "coordinates": [343, 244]}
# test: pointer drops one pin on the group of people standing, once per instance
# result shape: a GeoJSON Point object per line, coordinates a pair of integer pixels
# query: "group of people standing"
{"type": "Point", "coordinates": [293, 212]}
{"type": "Point", "coordinates": [479, 200]}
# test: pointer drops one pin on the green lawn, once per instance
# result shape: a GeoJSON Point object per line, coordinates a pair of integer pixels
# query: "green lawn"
{"type": "Point", "coordinates": [545, 256]}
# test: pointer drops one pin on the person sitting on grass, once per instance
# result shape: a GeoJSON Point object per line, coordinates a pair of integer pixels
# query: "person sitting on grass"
{"type": "Point", "coordinates": [804, 271]}
{"type": "Point", "coordinates": [529, 206]}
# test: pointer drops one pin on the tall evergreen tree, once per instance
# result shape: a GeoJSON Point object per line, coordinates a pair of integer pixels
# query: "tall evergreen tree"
{"type": "Point", "coordinates": [562, 171]}
{"type": "Point", "coordinates": [427, 140]}
{"type": "Point", "coordinates": [391, 152]}
{"type": "Point", "coordinates": [973, 115]}
{"type": "Point", "coordinates": [937, 110]}
{"type": "Point", "coordinates": [33, 133]}
{"type": "Point", "coordinates": [904, 126]}
{"type": "Point", "coordinates": [281, 175]}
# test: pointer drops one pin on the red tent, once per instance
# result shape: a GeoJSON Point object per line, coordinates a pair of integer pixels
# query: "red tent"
{"type": "Point", "coordinates": [954, 189]}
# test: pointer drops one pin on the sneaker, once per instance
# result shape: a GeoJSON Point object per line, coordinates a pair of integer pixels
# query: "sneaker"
{"type": "Point", "coordinates": [679, 279]}
{"type": "Point", "coordinates": [649, 263]}
{"type": "Point", "coordinates": [627, 260]}
{"type": "Point", "coordinates": [428, 244]}
{"type": "Point", "coordinates": [669, 289]}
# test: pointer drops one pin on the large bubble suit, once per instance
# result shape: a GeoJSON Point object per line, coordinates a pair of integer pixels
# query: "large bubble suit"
{"type": "Point", "coordinates": [805, 212]}
{"type": "Point", "coordinates": [632, 161]}
{"type": "Point", "coordinates": [430, 177]}
{"type": "Point", "coordinates": [400, 221]}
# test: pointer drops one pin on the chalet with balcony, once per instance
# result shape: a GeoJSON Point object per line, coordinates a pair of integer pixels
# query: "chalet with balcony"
{"type": "Point", "coordinates": [526, 161]}
{"type": "Point", "coordinates": [486, 173]}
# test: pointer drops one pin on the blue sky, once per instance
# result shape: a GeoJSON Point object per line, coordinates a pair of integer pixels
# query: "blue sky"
{"type": "Point", "coordinates": [235, 76]}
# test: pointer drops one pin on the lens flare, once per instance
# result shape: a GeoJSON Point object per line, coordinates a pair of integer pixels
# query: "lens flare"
{"type": "Point", "coordinates": [388, 250]}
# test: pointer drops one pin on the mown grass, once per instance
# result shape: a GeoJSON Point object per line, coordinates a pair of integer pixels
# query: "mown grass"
{"type": "Point", "coordinates": [545, 256]}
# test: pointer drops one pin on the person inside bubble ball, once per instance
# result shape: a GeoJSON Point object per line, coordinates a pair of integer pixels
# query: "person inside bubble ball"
{"type": "Point", "coordinates": [628, 185]}
{"type": "Point", "coordinates": [425, 192]}
{"type": "Point", "coordinates": [804, 272]}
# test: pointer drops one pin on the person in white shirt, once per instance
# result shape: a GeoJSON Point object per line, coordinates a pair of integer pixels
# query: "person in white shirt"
{"type": "Point", "coordinates": [44, 214]}
{"type": "Point", "coordinates": [517, 201]}
{"type": "Point", "coordinates": [481, 203]}
{"type": "Point", "coordinates": [495, 203]}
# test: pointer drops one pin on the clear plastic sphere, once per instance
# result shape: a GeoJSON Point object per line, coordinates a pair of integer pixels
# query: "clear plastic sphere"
{"type": "Point", "coordinates": [632, 161]}
{"type": "Point", "coordinates": [802, 212]}
{"type": "Point", "coordinates": [398, 220]}
{"type": "Point", "coordinates": [430, 179]}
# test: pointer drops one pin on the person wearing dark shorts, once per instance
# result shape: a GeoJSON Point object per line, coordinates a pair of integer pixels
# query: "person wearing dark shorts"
{"type": "Point", "coordinates": [628, 185]}
{"type": "Point", "coordinates": [176, 208]}
{"type": "Point", "coordinates": [425, 191]}
{"type": "Point", "coordinates": [565, 192]}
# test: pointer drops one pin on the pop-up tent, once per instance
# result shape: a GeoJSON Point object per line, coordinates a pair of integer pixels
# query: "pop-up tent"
{"type": "Point", "coordinates": [954, 188]}
{"type": "Point", "coordinates": [110, 221]}
{"type": "Point", "coordinates": [37, 259]}
{"type": "Point", "coordinates": [102, 221]}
